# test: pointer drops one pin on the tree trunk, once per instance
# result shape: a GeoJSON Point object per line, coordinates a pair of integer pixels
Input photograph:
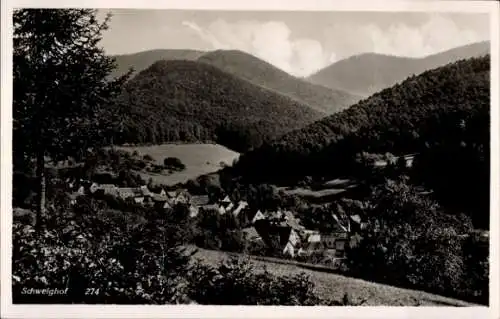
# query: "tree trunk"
{"type": "Point", "coordinates": [40, 174]}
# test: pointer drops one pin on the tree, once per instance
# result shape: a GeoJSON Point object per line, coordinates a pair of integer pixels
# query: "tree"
{"type": "Point", "coordinates": [62, 96]}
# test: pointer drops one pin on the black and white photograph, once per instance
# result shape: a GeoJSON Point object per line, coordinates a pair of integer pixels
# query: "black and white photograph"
{"type": "Point", "coordinates": [225, 157]}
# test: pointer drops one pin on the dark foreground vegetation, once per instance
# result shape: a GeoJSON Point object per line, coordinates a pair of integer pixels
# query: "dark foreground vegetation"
{"type": "Point", "coordinates": [134, 257]}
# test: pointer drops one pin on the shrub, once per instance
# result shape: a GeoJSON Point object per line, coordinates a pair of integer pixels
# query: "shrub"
{"type": "Point", "coordinates": [126, 258]}
{"type": "Point", "coordinates": [173, 162]}
{"type": "Point", "coordinates": [237, 282]}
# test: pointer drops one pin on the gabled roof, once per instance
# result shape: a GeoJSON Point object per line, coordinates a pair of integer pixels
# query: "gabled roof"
{"type": "Point", "coordinates": [338, 223]}
{"type": "Point", "coordinates": [241, 205]}
{"type": "Point", "coordinates": [210, 207]}
{"type": "Point", "coordinates": [356, 219]}
{"type": "Point", "coordinates": [200, 200]}
{"type": "Point", "coordinates": [172, 194]}
{"type": "Point", "coordinates": [159, 198]}
{"type": "Point", "coordinates": [258, 216]}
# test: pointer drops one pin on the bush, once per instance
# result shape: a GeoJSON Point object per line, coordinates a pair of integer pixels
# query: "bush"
{"type": "Point", "coordinates": [125, 258]}
{"type": "Point", "coordinates": [411, 242]}
{"type": "Point", "coordinates": [173, 162]}
{"type": "Point", "coordinates": [237, 282]}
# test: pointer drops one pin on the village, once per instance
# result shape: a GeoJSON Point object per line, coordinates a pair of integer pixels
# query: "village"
{"type": "Point", "coordinates": [277, 230]}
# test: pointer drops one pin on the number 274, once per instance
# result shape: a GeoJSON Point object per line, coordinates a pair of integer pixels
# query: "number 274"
{"type": "Point", "coordinates": [92, 291]}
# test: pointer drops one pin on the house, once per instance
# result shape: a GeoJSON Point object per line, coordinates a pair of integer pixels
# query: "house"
{"type": "Point", "coordinates": [210, 207]}
{"type": "Point", "coordinates": [356, 223]}
{"type": "Point", "coordinates": [258, 216]}
{"type": "Point", "coordinates": [145, 191]}
{"type": "Point", "coordinates": [336, 242]}
{"type": "Point", "coordinates": [106, 189]}
{"type": "Point", "coordinates": [279, 238]}
{"type": "Point", "coordinates": [162, 193]}
{"type": "Point", "coordinates": [251, 234]}
{"type": "Point", "coordinates": [241, 205]}
{"type": "Point", "coordinates": [199, 201]}
{"type": "Point", "coordinates": [226, 200]}
{"type": "Point", "coordinates": [221, 210]}
{"type": "Point", "coordinates": [139, 200]}
{"type": "Point", "coordinates": [172, 194]}
{"type": "Point", "coordinates": [291, 221]}
{"type": "Point", "coordinates": [340, 225]}
{"type": "Point", "coordinates": [163, 204]}
{"type": "Point", "coordinates": [291, 245]}
{"type": "Point", "coordinates": [81, 190]}
{"type": "Point", "coordinates": [193, 211]}
{"type": "Point", "coordinates": [228, 207]}
{"type": "Point", "coordinates": [182, 196]}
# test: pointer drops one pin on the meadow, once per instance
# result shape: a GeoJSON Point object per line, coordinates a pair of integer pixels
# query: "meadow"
{"type": "Point", "coordinates": [199, 159]}
{"type": "Point", "coordinates": [334, 286]}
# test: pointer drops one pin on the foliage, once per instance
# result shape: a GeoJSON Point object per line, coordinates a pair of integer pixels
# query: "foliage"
{"type": "Point", "coordinates": [174, 163]}
{"type": "Point", "coordinates": [236, 282]}
{"type": "Point", "coordinates": [411, 241]}
{"type": "Point", "coordinates": [127, 258]}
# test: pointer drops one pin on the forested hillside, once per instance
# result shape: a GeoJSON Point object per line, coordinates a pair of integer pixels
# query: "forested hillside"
{"type": "Point", "coordinates": [246, 66]}
{"type": "Point", "coordinates": [369, 73]}
{"type": "Point", "coordinates": [442, 114]}
{"type": "Point", "coordinates": [192, 101]}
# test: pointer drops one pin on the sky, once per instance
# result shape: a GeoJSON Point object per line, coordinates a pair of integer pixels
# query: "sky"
{"type": "Point", "coordinates": [299, 43]}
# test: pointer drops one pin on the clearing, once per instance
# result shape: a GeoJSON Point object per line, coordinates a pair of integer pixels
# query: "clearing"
{"type": "Point", "coordinates": [199, 159]}
{"type": "Point", "coordinates": [334, 286]}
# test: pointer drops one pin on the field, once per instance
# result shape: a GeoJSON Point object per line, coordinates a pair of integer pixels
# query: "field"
{"type": "Point", "coordinates": [199, 159]}
{"type": "Point", "coordinates": [334, 286]}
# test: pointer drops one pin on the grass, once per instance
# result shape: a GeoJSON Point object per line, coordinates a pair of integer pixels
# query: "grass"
{"type": "Point", "coordinates": [334, 286]}
{"type": "Point", "coordinates": [199, 159]}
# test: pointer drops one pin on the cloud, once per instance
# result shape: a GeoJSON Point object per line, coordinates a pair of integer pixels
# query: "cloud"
{"type": "Point", "coordinates": [276, 43]}
{"type": "Point", "coordinates": [435, 34]}
{"type": "Point", "coordinates": [270, 41]}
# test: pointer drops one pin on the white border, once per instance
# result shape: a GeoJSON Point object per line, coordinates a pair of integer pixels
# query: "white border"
{"type": "Point", "coordinates": [77, 311]}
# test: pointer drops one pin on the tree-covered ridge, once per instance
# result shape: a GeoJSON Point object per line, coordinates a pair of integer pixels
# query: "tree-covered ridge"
{"type": "Point", "coordinates": [186, 100]}
{"type": "Point", "coordinates": [259, 72]}
{"type": "Point", "coordinates": [402, 119]}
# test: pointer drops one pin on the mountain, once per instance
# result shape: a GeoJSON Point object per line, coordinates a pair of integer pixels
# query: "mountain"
{"type": "Point", "coordinates": [368, 73]}
{"type": "Point", "coordinates": [194, 101]}
{"type": "Point", "coordinates": [403, 119]}
{"type": "Point", "coordinates": [266, 75]}
{"type": "Point", "coordinates": [141, 60]}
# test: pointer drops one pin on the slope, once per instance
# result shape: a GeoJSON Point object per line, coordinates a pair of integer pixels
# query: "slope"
{"type": "Point", "coordinates": [368, 73]}
{"type": "Point", "coordinates": [141, 60]}
{"type": "Point", "coordinates": [266, 75]}
{"type": "Point", "coordinates": [403, 119]}
{"type": "Point", "coordinates": [192, 101]}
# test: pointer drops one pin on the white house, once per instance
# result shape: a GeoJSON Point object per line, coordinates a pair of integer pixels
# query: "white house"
{"type": "Point", "coordinates": [258, 216]}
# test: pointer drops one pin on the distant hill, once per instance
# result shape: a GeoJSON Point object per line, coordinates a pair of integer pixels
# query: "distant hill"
{"type": "Point", "coordinates": [407, 118]}
{"type": "Point", "coordinates": [369, 73]}
{"type": "Point", "coordinates": [193, 101]}
{"type": "Point", "coordinates": [142, 60]}
{"type": "Point", "coordinates": [266, 75]}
